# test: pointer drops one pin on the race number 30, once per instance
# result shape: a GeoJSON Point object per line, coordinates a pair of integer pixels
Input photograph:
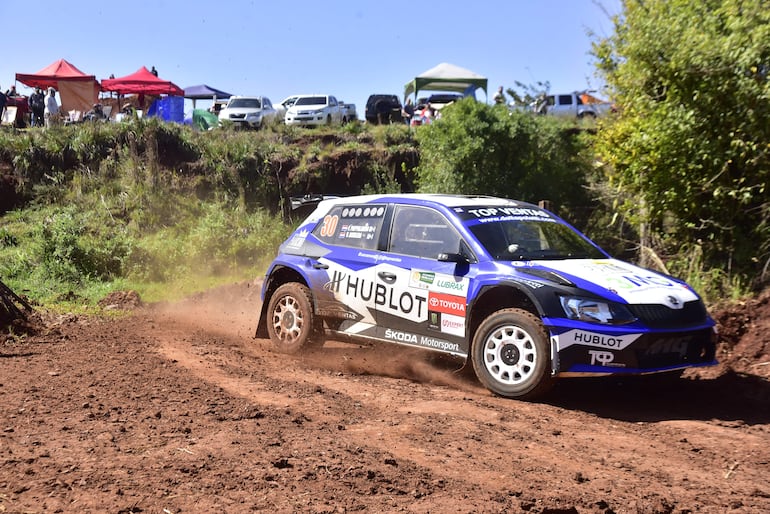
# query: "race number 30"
{"type": "Point", "coordinates": [329, 226]}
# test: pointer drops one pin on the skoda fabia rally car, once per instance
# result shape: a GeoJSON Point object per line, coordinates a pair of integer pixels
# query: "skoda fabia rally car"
{"type": "Point", "coordinates": [505, 285]}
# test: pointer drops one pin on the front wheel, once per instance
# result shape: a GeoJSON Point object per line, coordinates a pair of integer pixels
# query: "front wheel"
{"type": "Point", "coordinates": [291, 321]}
{"type": "Point", "coordinates": [510, 355]}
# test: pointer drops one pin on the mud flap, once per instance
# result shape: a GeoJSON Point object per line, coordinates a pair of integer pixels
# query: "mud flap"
{"type": "Point", "coordinates": [554, 356]}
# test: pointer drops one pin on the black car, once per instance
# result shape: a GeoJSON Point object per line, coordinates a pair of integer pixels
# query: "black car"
{"type": "Point", "coordinates": [438, 100]}
{"type": "Point", "coordinates": [382, 109]}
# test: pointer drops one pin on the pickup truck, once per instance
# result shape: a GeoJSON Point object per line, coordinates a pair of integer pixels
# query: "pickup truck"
{"type": "Point", "coordinates": [310, 110]}
{"type": "Point", "coordinates": [579, 105]}
{"type": "Point", "coordinates": [348, 112]}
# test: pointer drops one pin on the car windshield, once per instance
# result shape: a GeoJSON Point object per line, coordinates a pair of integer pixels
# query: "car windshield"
{"type": "Point", "coordinates": [311, 100]}
{"type": "Point", "coordinates": [533, 240]}
{"type": "Point", "coordinates": [247, 103]}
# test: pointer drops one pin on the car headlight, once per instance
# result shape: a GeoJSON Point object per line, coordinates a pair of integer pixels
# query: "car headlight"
{"type": "Point", "coordinates": [595, 311]}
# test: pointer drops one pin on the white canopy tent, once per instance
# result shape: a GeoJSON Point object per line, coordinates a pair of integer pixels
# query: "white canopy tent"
{"type": "Point", "coordinates": [446, 77]}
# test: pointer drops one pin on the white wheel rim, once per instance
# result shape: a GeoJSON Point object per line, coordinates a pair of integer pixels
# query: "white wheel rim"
{"type": "Point", "coordinates": [287, 319]}
{"type": "Point", "coordinates": [510, 355]}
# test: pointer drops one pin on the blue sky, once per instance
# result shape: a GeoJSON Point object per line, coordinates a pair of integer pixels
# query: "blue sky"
{"type": "Point", "coordinates": [346, 48]}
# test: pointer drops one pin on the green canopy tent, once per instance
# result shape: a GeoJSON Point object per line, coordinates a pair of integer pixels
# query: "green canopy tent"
{"type": "Point", "coordinates": [446, 77]}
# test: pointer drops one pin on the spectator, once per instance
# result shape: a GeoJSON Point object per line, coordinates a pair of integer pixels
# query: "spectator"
{"type": "Point", "coordinates": [37, 107]}
{"type": "Point", "coordinates": [3, 101]}
{"type": "Point", "coordinates": [11, 92]}
{"type": "Point", "coordinates": [407, 111]}
{"type": "Point", "coordinates": [499, 97]}
{"type": "Point", "coordinates": [425, 116]}
{"type": "Point", "coordinates": [51, 112]}
{"type": "Point", "coordinates": [154, 71]}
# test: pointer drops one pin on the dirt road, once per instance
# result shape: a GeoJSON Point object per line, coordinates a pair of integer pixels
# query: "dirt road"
{"type": "Point", "coordinates": [176, 408]}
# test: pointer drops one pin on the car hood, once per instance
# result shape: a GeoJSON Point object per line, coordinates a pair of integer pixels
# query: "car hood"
{"type": "Point", "coordinates": [308, 107]}
{"type": "Point", "coordinates": [240, 110]}
{"type": "Point", "coordinates": [611, 277]}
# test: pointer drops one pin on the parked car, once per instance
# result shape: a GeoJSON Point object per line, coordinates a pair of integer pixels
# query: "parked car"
{"type": "Point", "coordinates": [247, 111]}
{"type": "Point", "coordinates": [309, 110]}
{"type": "Point", "coordinates": [348, 112]}
{"type": "Point", "coordinates": [284, 105]}
{"type": "Point", "coordinates": [438, 101]}
{"type": "Point", "coordinates": [381, 109]}
{"type": "Point", "coordinates": [579, 105]}
{"type": "Point", "coordinates": [503, 285]}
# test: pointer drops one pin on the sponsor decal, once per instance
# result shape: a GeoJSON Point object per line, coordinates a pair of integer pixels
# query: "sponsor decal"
{"type": "Point", "coordinates": [298, 239]}
{"type": "Point", "coordinates": [491, 212]}
{"type": "Point", "coordinates": [404, 304]}
{"type": "Point", "coordinates": [350, 231]}
{"type": "Point", "coordinates": [422, 279]}
{"type": "Point", "coordinates": [434, 320]}
{"type": "Point", "coordinates": [595, 339]}
{"type": "Point", "coordinates": [454, 325]}
{"type": "Point", "coordinates": [376, 257]}
{"type": "Point", "coordinates": [527, 282]}
{"type": "Point", "coordinates": [671, 345]}
{"type": "Point", "coordinates": [446, 303]}
{"type": "Point", "coordinates": [450, 284]}
{"type": "Point", "coordinates": [439, 282]}
{"type": "Point", "coordinates": [600, 357]}
{"type": "Point", "coordinates": [428, 342]}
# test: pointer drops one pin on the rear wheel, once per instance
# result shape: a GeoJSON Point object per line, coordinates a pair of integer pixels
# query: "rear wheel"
{"type": "Point", "coordinates": [291, 322]}
{"type": "Point", "coordinates": [510, 355]}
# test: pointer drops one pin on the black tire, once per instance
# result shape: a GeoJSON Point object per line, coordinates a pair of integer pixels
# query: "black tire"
{"type": "Point", "coordinates": [290, 318]}
{"type": "Point", "coordinates": [511, 355]}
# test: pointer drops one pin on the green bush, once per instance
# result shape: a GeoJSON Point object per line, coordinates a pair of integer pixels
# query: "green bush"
{"type": "Point", "coordinates": [474, 148]}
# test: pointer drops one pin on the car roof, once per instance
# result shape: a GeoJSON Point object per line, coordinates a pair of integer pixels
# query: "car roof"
{"type": "Point", "coordinates": [432, 199]}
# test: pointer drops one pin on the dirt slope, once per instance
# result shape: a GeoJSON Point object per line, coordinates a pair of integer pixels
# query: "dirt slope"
{"type": "Point", "coordinates": [176, 408]}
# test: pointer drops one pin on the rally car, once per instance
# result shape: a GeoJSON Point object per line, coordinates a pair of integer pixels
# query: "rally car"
{"type": "Point", "coordinates": [505, 285]}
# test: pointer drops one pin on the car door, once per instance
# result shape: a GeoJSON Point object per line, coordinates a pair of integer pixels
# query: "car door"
{"type": "Point", "coordinates": [422, 299]}
{"type": "Point", "coordinates": [335, 109]}
{"type": "Point", "coordinates": [342, 279]}
{"type": "Point", "coordinates": [268, 111]}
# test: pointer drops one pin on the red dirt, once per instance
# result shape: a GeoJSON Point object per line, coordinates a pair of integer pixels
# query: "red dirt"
{"type": "Point", "coordinates": [175, 408]}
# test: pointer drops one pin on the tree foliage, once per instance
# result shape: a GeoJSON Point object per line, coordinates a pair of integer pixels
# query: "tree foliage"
{"type": "Point", "coordinates": [489, 150]}
{"type": "Point", "coordinates": [688, 154]}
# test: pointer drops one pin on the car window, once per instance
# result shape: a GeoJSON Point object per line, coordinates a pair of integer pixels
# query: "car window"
{"type": "Point", "coordinates": [311, 100]}
{"type": "Point", "coordinates": [422, 232]}
{"type": "Point", "coordinates": [354, 226]}
{"type": "Point", "coordinates": [249, 103]}
{"type": "Point", "coordinates": [523, 240]}
{"type": "Point", "coordinates": [266, 102]}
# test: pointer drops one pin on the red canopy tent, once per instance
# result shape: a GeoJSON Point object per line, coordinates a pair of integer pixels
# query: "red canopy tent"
{"type": "Point", "coordinates": [141, 82]}
{"type": "Point", "coordinates": [77, 90]}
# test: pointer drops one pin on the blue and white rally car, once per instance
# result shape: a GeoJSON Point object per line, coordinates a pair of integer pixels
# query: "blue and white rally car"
{"type": "Point", "coordinates": [506, 284]}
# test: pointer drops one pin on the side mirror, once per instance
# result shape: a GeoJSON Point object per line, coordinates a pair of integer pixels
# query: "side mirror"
{"type": "Point", "coordinates": [452, 257]}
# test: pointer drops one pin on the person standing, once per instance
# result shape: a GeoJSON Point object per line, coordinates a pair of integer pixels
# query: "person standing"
{"type": "Point", "coordinates": [407, 112]}
{"type": "Point", "coordinates": [51, 112]}
{"type": "Point", "coordinates": [499, 97]}
{"type": "Point", "coordinates": [37, 107]}
{"type": "Point", "coordinates": [3, 101]}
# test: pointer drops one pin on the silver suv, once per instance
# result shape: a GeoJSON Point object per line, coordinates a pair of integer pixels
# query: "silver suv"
{"type": "Point", "coordinates": [248, 111]}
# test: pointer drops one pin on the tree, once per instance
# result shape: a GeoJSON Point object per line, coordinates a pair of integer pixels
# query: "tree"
{"type": "Point", "coordinates": [690, 149]}
{"type": "Point", "coordinates": [475, 148]}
